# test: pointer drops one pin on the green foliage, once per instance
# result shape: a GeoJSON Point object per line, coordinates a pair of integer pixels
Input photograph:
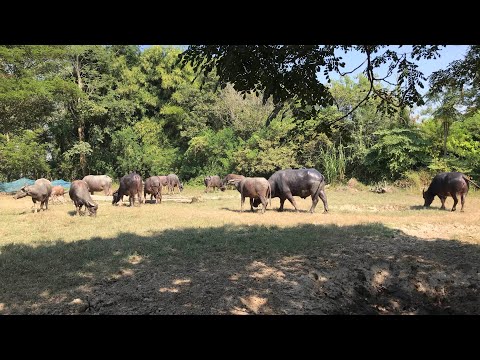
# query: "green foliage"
{"type": "Point", "coordinates": [396, 151]}
{"type": "Point", "coordinates": [23, 155]}
{"type": "Point", "coordinates": [415, 179]}
{"type": "Point", "coordinates": [333, 163]}
{"type": "Point", "coordinates": [114, 109]}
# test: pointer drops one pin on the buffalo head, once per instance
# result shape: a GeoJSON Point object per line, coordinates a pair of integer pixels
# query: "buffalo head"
{"type": "Point", "coordinates": [428, 198]}
{"type": "Point", "coordinates": [116, 197]}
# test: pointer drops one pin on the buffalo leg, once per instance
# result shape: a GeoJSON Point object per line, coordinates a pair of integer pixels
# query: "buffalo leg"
{"type": "Point", "coordinates": [462, 198]}
{"type": "Point", "coordinates": [292, 200]}
{"type": "Point", "coordinates": [315, 198]}
{"type": "Point", "coordinates": [455, 201]}
{"type": "Point", "coordinates": [241, 203]}
{"type": "Point", "coordinates": [264, 204]}
{"type": "Point", "coordinates": [442, 199]}
{"type": "Point", "coordinates": [323, 196]}
{"type": "Point", "coordinates": [251, 204]}
{"type": "Point", "coordinates": [282, 201]}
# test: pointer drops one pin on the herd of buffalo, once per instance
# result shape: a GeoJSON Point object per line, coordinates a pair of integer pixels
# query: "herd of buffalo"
{"type": "Point", "coordinates": [284, 184]}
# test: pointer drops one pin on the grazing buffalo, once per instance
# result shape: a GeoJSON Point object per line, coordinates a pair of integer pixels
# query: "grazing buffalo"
{"type": "Point", "coordinates": [231, 179]}
{"type": "Point", "coordinates": [174, 181]}
{"type": "Point", "coordinates": [153, 186]}
{"type": "Point", "coordinates": [213, 182]}
{"type": "Point", "coordinates": [39, 191]}
{"type": "Point", "coordinates": [57, 191]}
{"type": "Point", "coordinates": [257, 188]}
{"type": "Point", "coordinates": [298, 182]}
{"type": "Point", "coordinates": [99, 183]}
{"type": "Point", "coordinates": [447, 184]}
{"type": "Point", "coordinates": [80, 194]}
{"type": "Point", "coordinates": [130, 185]}
{"type": "Point", "coordinates": [164, 181]}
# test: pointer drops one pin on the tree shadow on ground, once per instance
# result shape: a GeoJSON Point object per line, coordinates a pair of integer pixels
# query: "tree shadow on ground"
{"type": "Point", "coordinates": [233, 269]}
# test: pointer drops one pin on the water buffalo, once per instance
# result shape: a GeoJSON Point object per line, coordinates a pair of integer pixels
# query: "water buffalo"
{"type": "Point", "coordinates": [39, 191]}
{"type": "Point", "coordinates": [99, 183]}
{"type": "Point", "coordinates": [288, 183]}
{"type": "Point", "coordinates": [213, 182]}
{"type": "Point", "coordinates": [57, 191]}
{"type": "Point", "coordinates": [80, 194]}
{"type": "Point", "coordinates": [164, 180]}
{"type": "Point", "coordinates": [153, 186]}
{"type": "Point", "coordinates": [255, 188]}
{"type": "Point", "coordinates": [130, 185]}
{"type": "Point", "coordinates": [231, 179]}
{"type": "Point", "coordinates": [447, 184]}
{"type": "Point", "coordinates": [174, 181]}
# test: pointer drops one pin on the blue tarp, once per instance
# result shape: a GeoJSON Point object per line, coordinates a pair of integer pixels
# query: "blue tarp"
{"type": "Point", "coordinates": [16, 185]}
{"type": "Point", "coordinates": [61, 182]}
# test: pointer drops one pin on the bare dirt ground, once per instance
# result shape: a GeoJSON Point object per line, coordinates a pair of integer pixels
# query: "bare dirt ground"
{"type": "Point", "coordinates": [372, 254]}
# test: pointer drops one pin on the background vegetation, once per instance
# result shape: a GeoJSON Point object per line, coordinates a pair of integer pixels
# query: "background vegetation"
{"type": "Point", "coordinates": [67, 111]}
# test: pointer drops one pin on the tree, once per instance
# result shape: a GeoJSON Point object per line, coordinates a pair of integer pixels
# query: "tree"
{"type": "Point", "coordinates": [30, 85]}
{"type": "Point", "coordinates": [395, 152]}
{"type": "Point", "coordinates": [23, 155]}
{"type": "Point", "coordinates": [289, 73]}
{"type": "Point", "coordinates": [461, 76]}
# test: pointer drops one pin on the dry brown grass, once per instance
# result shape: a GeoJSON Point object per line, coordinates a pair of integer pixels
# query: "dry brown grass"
{"type": "Point", "coordinates": [398, 210]}
{"type": "Point", "coordinates": [51, 257]}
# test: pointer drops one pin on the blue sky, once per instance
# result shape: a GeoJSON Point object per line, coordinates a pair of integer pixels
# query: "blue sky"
{"type": "Point", "coordinates": [447, 55]}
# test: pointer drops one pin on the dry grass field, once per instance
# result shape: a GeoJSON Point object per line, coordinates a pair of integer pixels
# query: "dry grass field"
{"type": "Point", "coordinates": [371, 254]}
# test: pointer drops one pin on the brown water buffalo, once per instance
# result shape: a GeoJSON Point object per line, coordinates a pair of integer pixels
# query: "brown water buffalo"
{"type": "Point", "coordinates": [130, 185]}
{"type": "Point", "coordinates": [39, 191]}
{"type": "Point", "coordinates": [230, 179]}
{"type": "Point", "coordinates": [57, 191]}
{"type": "Point", "coordinates": [448, 184]}
{"type": "Point", "coordinates": [174, 181]}
{"type": "Point", "coordinates": [99, 183]}
{"type": "Point", "coordinates": [164, 180]}
{"type": "Point", "coordinates": [255, 188]}
{"type": "Point", "coordinates": [288, 183]}
{"type": "Point", "coordinates": [80, 194]}
{"type": "Point", "coordinates": [213, 182]}
{"type": "Point", "coordinates": [153, 186]}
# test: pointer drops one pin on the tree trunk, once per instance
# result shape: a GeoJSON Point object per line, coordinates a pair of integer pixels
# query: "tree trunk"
{"type": "Point", "coordinates": [81, 125]}
{"type": "Point", "coordinates": [445, 135]}
{"type": "Point", "coordinates": [83, 160]}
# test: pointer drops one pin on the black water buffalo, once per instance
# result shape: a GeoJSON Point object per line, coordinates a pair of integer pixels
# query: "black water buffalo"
{"type": "Point", "coordinates": [231, 179]}
{"type": "Point", "coordinates": [80, 194]}
{"type": "Point", "coordinates": [99, 183]}
{"type": "Point", "coordinates": [39, 191]}
{"type": "Point", "coordinates": [174, 181]}
{"type": "Point", "coordinates": [288, 183]}
{"type": "Point", "coordinates": [130, 185]}
{"type": "Point", "coordinates": [447, 184]}
{"type": "Point", "coordinates": [153, 186]}
{"type": "Point", "coordinates": [213, 182]}
{"type": "Point", "coordinates": [256, 188]}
